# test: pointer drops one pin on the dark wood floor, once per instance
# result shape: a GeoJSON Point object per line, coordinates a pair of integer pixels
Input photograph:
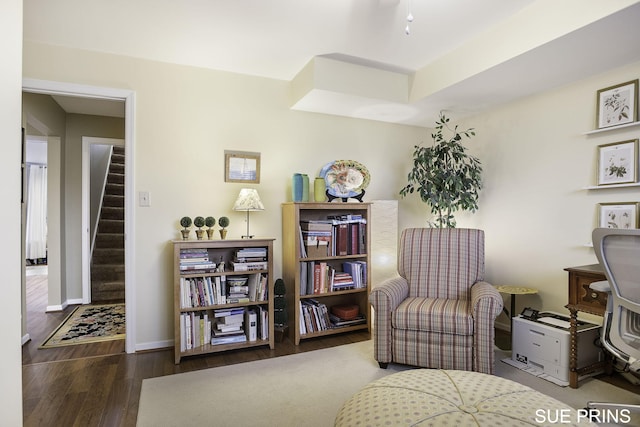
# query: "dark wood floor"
{"type": "Point", "coordinates": [99, 384]}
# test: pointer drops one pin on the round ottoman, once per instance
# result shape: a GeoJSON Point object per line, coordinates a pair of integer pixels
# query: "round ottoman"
{"type": "Point", "coordinates": [430, 397]}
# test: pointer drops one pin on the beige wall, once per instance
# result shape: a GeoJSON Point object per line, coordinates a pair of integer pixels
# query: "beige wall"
{"type": "Point", "coordinates": [185, 119]}
{"type": "Point", "coordinates": [537, 160]}
{"type": "Point", "coordinates": [10, 252]}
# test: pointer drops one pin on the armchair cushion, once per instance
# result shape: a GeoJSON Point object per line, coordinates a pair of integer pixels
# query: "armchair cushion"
{"type": "Point", "coordinates": [446, 316]}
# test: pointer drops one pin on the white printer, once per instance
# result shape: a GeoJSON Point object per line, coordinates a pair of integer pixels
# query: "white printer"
{"type": "Point", "coordinates": [542, 342]}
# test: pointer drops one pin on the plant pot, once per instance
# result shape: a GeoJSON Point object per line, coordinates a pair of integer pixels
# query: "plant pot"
{"type": "Point", "coordinates": [223, 234]}
{"type": "Point", "coordinates": [199, 233]}
{"type": "Point", "coordinates": [185, 233]}
{"type": "Point", "coordinates": [210, 233]}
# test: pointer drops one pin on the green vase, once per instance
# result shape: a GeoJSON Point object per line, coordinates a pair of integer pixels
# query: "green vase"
{"type": "Point", "coordinates": [319, 189]}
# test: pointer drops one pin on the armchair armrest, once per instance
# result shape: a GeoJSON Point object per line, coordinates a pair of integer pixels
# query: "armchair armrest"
{"type": "Point", "coordinates": [389, 294]}
{"type": "Point", "coordinates": [385, 298]}
{"type": "Point", "coordinates": [485, 300]}
{"type": "Point", "coordinates": [486, 305]}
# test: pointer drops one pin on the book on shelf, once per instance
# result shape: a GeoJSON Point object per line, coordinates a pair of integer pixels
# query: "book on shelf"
{"type": "Point", "coordinates": [227, 326]}
{"type": "Point", "coordinates": [314, 316]}
{"type": "Point", "coordinates": [195, 330]}
{"type": "Point", "coordinates": [319, 277]}
{"type": "Point", "coordinates": [251, 324]}
{"type": "Point", "coordinates": [251, 253]}
{"type": "Point", "coordinates": [201, 291]}
{"type": "Point", "coordinates": [228, 339]}
{"type": "Point", "coordinates": [249, 266]}
{"type": "Point", "coordinates": [337, 322]}
{"type": "Point", "coordinates": [263, 322]}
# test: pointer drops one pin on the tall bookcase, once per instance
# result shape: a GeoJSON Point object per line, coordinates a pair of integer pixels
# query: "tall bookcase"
{"type": "Point", "coordinates": [300, 294]}
{"type": "Point", "coordinates": [200, 303]}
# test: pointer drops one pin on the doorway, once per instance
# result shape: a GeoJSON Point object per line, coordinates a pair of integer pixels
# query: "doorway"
{"type": "Point", "coordinates": [98, 94]}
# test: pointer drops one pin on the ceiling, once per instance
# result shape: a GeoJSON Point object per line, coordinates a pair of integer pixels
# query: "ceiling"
{"type": "Point", "coordinates": [461, 55]}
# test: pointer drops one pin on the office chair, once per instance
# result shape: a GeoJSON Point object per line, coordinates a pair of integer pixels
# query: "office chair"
{"type": "Point", "coordinates": [618, 251]}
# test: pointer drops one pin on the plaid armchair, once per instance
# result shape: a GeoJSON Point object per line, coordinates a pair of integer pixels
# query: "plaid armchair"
{"type": "Point", "coordinates": [438, 313]}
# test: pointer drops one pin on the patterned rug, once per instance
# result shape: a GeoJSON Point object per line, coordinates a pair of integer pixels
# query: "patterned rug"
{"type": "Point", "coordinates": [88, 324]}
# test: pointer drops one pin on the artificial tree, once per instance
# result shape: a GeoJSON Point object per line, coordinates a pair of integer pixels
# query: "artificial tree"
{"type": "Point", "coordinates": [444, 175]}
{"type": "Point", "coordinates": [199, 222]}
{"type": "Point", "coordinates": [224, 223]}
{"type": "Point", "coordinates": [185, 222]}
{"type": "Point", "coordinates": [210, 222]}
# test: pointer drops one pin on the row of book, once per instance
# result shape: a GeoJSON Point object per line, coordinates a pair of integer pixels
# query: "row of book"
{"type": "Point", "coordinates": [315, 317]}
{"type": "Point", "coordinates": [319, 277]}
{"type": "Point", "coordinates": [206, 291]}
{"type": "Point", "coordinates": [196, 260]}
{"type": "Point", "coordinates": [335, 236]}
{"type": "Point", "coordinates": [217, 327]}
{"type": "Point", "coordinates": [250, 259]}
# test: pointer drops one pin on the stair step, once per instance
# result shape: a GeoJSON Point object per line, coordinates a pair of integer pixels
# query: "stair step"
{"type": "Point", "coordinates": [109, 240]}
{"type": "Point", "coordinates": [107, 273]}
{"type": "Point", "coordinates": [117, 168]}
{"type": "Point", "coordinates": [115, 178]}
{"type": "Point", "coordinates": [114, 189]}
{"type": "Point", "coordinates": [113, 201]}
{"type": "Point", "coordinates": [107, 256]}
{"type": "Point", "coordinates": [112, 212]}
{"type": "Point", "coordinates": [107, 291]}
{"type": "Point", "coordinates": [111, 226]}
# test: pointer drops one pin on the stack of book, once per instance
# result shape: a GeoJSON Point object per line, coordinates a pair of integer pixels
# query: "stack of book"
{"type": "Point", "coordinates": [337, 322]}
{"type": "Point", "coordinates": [249, 259]}
{"type": "Point", "coordinates": [195, 261]}
{"type": "Point", "coordinates": [237, 289]}
{"type": "Point", "coordinates": [228, 326]}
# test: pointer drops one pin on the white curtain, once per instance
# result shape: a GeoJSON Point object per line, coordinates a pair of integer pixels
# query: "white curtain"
{"type": "Point", "coordinates": [36, 230]}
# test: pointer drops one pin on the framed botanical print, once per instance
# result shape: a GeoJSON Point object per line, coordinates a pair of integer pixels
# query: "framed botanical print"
{"type": "Point", "coordinates": [241, 166]}
{"type": "Point", "coordinates": [617, 105]}
{"type": "Point", "coordinates": [618, 215]}
{"type": "Point", "coordinates": [617, 162]}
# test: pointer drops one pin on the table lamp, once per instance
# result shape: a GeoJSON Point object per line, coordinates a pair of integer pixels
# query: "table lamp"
{"type": "Point", "coordinates": [248, 200]}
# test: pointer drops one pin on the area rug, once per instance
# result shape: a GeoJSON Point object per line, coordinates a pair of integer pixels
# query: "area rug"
{"type": "Point", "coordinates": [89, 324]}
{"type": "Point", "coordinates": [305, 389]}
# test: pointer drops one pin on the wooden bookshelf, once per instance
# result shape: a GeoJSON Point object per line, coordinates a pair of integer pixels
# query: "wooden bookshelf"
{"type": "Point", "coordinates": [220, 251]}
{"type": "Point", "coordinates": [293, 258]}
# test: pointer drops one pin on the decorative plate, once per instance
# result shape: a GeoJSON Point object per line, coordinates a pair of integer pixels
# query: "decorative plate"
{"type": "Point", "coordinates": [345, 178]}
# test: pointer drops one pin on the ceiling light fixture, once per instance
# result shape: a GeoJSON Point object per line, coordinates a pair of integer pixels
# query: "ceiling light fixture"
{"type": "Point", "coordinates": [407, 30]}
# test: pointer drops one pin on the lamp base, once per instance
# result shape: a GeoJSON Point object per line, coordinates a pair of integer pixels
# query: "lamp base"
{"type": "Point", "coordinates": [247, 237]}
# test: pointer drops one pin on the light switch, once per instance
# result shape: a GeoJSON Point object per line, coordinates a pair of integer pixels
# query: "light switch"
{"type": "Point", "coordinates": [144, 199]}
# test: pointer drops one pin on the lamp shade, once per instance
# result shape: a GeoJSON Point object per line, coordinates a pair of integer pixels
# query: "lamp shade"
{"type": "Point", "coordinates": [248, 200]}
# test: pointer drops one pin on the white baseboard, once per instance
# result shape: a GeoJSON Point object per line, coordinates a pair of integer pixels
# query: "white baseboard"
{"type": "Point", "coordinates": [64, 305]}
{"type": "Point", "coordinates": [157, 345]}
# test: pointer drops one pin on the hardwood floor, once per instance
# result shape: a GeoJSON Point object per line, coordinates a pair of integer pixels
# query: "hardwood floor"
{"type": "Point", "coordinates": [99, 384]}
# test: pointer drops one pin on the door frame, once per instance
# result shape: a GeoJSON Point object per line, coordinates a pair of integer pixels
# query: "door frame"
{"type": "Point", "coordinates": [47, 87]}
{"type": "Point", "coordinates": [87, 246]}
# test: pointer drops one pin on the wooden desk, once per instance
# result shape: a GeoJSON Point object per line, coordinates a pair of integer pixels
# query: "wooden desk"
{"type": "Point", "coordinates": [581, 298]}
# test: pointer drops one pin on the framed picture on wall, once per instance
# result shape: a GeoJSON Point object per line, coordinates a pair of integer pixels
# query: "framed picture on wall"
{"type": "Point", "coordinates": [617, 105]}
{"type": "Point", "coordinates": [241, 166]}
{"type": "Point", "coordinates": [618, 215]}
{"type": "Point", "coordinates": [617, 162]}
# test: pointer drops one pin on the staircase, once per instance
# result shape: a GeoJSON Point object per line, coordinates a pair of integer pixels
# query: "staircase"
{"type": "Point", "coordinates": [107, 261]}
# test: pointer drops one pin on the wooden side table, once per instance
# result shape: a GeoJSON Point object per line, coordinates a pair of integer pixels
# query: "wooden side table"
{"type": "Point", "coordinates": [582, 298]}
